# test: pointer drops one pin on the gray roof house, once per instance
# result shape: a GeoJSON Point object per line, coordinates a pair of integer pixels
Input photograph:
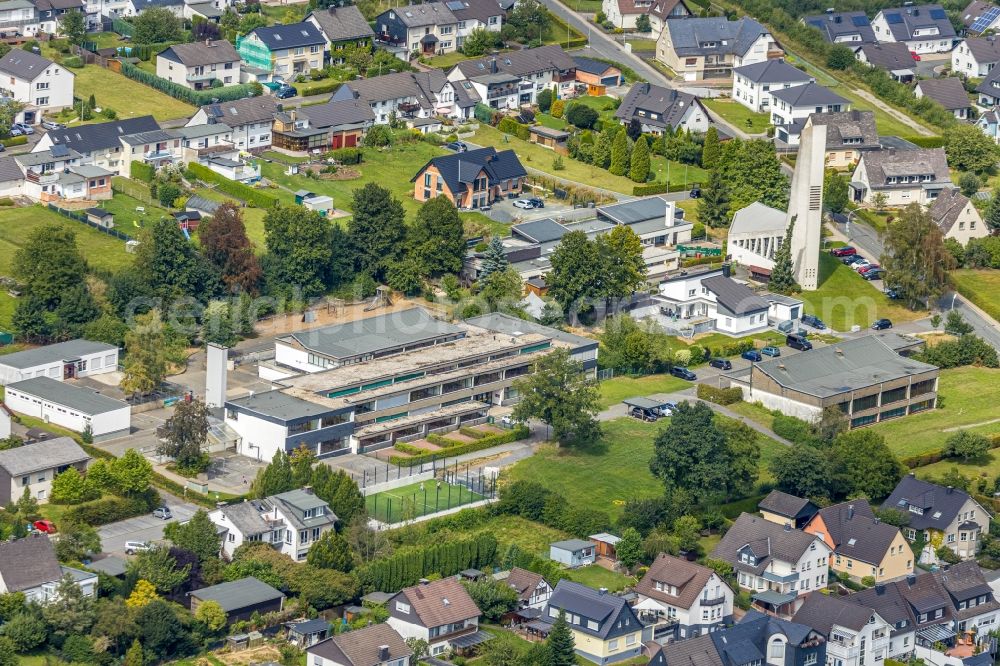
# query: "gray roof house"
{"type": "Point", "coordinates": [976, 57]}
{"type": "Point", "coordinates": [573, 552]}
{"type": "Point", "coordinates": [957, 218]}
{"type": "Point", "coordinates": [291, 522]}
{"type": "Point", "coordinates": [196, 54]}
{"type": "Point", "coordinates": [29, 565]}
{"type": "Point", "coordinates": [904, 176]}
{"type": "Point", "coordinates": [733, 297]}
{"type": "Point", "coordinates": [773, 71]}
{"type": "Point", "coordinates": [893, 57]}
{"type": "Point", "coordinates": [989, 89]}
{"type": "Point", "coordinates": [848, 28]}
{"type": "Point", "coordinates": [341, 25]}
{"type": "Point", "coordinates": [33, 466]}
{"type": "Point", "coordinates": [810, 95]}
{"type": "Point", "coordinates": [780, 507]}
{"type": "Point", "coordinates": [715, 44]}
{"type": "Point", "coordinates": [980, 16]}
{"type": "Point", "coordinates": [848, 131]}
{"type": "Point", "coordinates": [861, 539]}
{"type": "Point", "coordinates": [658, 108]}
{"type": "Point", "coordinates": [596, 614]}
{"type": "Point", "coordinates": [949, 92]}
{"type": "Point", "coordinates": [924, 28]}
{"type": "Point", "coordinates": [240, 598]}
{"type": "Point", "coordinates": [374, 645]}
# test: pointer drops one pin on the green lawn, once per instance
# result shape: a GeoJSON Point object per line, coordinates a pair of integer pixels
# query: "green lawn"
{"type": "Point", "coordinates": [584, 6]}
{"type": "Point", "coordinates": [417, 499]}
{"type": "Point", "coordinates": [617, 389]}
{"type": "Point", "coordinates": [967, 399]}
{"type": "Point", "coordinates": [253, 218]}
{"type": "Point", "coordinates": [551, 121]}
{"type": "Point", "coordinates": [531, 537]}
{"type": "Point", "coordinates": [127, 219]}
{"type": "Point", "coordinates": [738, 115]}
{"type": "Point", "coordinates": [642, 44]}
{"type": "Point", "coordinates": [127, 97]}
{"type": "Point", "coordinates": [844, 298]}
{"type": "Point", "coordinates": [981, 287]}
{"type": "Point", "coordinates": [447, 61]}
{"type": "Point", "coordinates": [676, 173]}
{"type": "Point", "coordinates": [597, 577]}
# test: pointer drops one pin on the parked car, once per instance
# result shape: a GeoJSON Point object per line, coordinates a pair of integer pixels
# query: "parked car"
{"type": "Point", "coordinates": [524, 204]}
{"type": "Point", "coordinates": [133, 547]}
{"type": "Point", "coordinates": [284, 92]}
{"type": "Point", "coordinates": [695, 192]}
{"type": "Point", "coordinates": [845, 251]}
{"type": "Point", "coordinates": [642, 414]}
{"type": "Point", "coordinates": [796, 341]}
{"type": "Point", "coordinates": [915, 55]}
{"type": "Point", "coordinates": [52, 125]}
{"type": "Point", "coordinates": [15, 132]}
{"type": "Point", "coordinates": [163, 513]}
{"type": "Point", "coordinates": [875, 274]}
{"type": "Point", "coordinates": [683, 373]}
{"type": "Point", "coordinates": [773, 352]}
{"type": "Point", "coordinates": [721, 363]}
{"type": "Point", "coordinates": [814, 321]}
{"type": "Point", "coordinates": [893, 293]}
{"type": "Point", "coordinates": [25, 128]}
{"type": "Point", "coordinates": [46, 526]}
{"type": "Point", "coordinates": [666, 409]}
{"type": "Point", "coordinates": [457, 146]}
{"type": "Point", "coordinates": [751, 355]}
{"type": "Point", "coordinates": [852, 259]}
{"type": "Point", "coordinates": [881, 325]}
{"type": "Point", "coordinates": [864, 268]}
{"type": "Point", "coordinates": [861, 263]}
{"type": "Point", "coordinates": [536, 202]}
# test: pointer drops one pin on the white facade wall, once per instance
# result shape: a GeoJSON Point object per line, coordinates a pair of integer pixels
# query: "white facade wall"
{"type": "Point", "coordinates": [259, 439]}
{"type": "Point", "coordinates": [843, 646]}
{"type": "Point", "coordinates": [89, 365]}
{"type": "Point", "coordinates": [757, 96]}
{"type": "Point", "coordinates": [116, 421]}
{"type": "Point", "coordinates": [964, 62]}
{"type": "Point", "coordinates": [296, 358]}
{"type": "Point", "coordinates": [968, 226]}
{"type": "Point", "coordinates": [51, 90]}
{"type": "Point", "coordinates": [408, 629]}
{"type": "Point", "coordinates": [4, 424]}
{"type": "Point", "coordinates": [248, 136]}
{"type": "Point", "coordinates": [785, 405]}
{"type": "Point", "coordinates": [928, 41]}
{"type": "Point", "coordinates": [756, 53]}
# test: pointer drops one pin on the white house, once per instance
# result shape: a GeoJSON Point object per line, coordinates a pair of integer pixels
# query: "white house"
{"type": "Point", "coordinates": [522, 74]}
{"type": "Point", "coordinates": [975, 57]}
{"type": "Point", "coordinates": [658, 109]}
{"type": "Point", "coordinates": [949, 92]}
{"type": "Point", "coordinates": [374, 645]}
{"type": "Point", "coordinates": [19, 16]}
{"type": "Point", "coordinates": [532, 589]}
{"type": "Point", "coordinates": [752, 84]}
{"type": "Point", "coordinates": [37, 82]}
{"type": "Point", "coordinates": [63, 360]}
{"type": "Point", "coordinates": [923, 28]}
{"type": "Point", "coordinates": [903, 176]}
{"type": "Point", "coordinates": [958, 219]}
{"type": "Point", "coordinates": [98, 144]}
{"type": "Point", "coordinates": [856, 634]}
{"type": "Point", "coordinates": [437, 612]}
{"type": "Point", "coordinates": [709, 48]}
{"type": "Point", "coordinates": [32, 467]}
{"type": "Point", "coordinates": [790, 106]}
{"type": "Point", "coordinates": [291, 522]}
{"type": "Point", "coordinates": [402, 95]}
{"type": "Point", "coordinates": [989, 123]}
{"type": "Point", "coordinates": [250, 120]}
{"type": "Point", "coordinates": [683, 599]}
{"type": "Point", "coordinates": [29, 565]}
{"type": "Point", "coordinates": [624, 13]}
{"type": "Point", "coordinates": [73, 407]}
{"type": "Point", "coordinates": [199, 65]}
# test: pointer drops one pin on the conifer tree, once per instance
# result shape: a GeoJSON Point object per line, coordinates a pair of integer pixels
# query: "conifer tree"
{"type": "Point", "coordinates": [713, 207]}
{"type": "Point", "coordinates": [494, 259]}
{"type": "Point", "coordinates": [560, 643]}
{"type": "Point", "coordinates": [619, 154]}
{"type": "Point", "coordinates": [711, 149]}
{"type": "Point", "coordinates": [639, 171]}
{"type": "Point", "coordinates": [783, 274]}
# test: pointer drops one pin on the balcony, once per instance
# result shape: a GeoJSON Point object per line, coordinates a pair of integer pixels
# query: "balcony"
{"type": "Point", "coordinates": [842, 650]}
{"type": "Point", "coordinates": [203, 151]}
{"type": "Point", "coordinates": [204, 76]}
{"type": "Point", "coordinates": [714, 602]}
{"type": "Point", "coordinates": [42, 178]}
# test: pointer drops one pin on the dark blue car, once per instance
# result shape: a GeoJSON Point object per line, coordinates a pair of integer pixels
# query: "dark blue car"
{"type": "Point", "coordinates": [751, 355]}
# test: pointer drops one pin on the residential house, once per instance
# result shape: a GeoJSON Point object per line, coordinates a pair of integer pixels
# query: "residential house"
{"type": "Point", "coordinates": [56, 175]}
{"type": "Point", "coordinates": [888, 602]}
{"type": "Point", "coordinates": [374, 645]}
{"type": "Point", "coordinates": [683, 599]}
{"type": "Point", "coordinates": [973, 603]}
{"type": "Point", "coordinates": [18, 16]}
{"type": "Point", "coordinates": [51, 13]}
{"type": "Point", "coordinates": [989, 89]}
{"type": "Point", "coordinates": [949, 92]}
{"type": "Point", "coordinates": [471, 179]}
{"type": "Point", "coordinates": [923, 28]}
{"type": "Point", "coordinates": [710, 48]}
{"type": "Point", "coordinates": [476, 15]}
{"type": "Point", "coordinates": [778, 565]}
{"type": "Point", "coordinates": [954, 213]}
{"type": "Point", "coordinates": [283, 51]}
{"type": "Point", "coordinates": [291, 522]}
{"type": "Point", "coordinates": [529, 71]}
{"type": "Point", "coordinates": [849, 134]}
{"type": "Point", "coordinates": [980, 16]}
{"type": "Point", "coordinates": [532, 589]}
{"type": "Point", "coordinates": [403, 95]}
{"type": "Point", "coordinates": [39, 84]}
{"type": "Point", "coordinates": [429, 28]}
{"type": "Point", "coordinates": [903, 176]}
{"type": "Point", "coordinates": [29, 565]}
{"type": "Point", "coordinates": [62, 360]}
{"type": "Point", "coordinates": [250, 120]}
{"type": "Point", "coordinates": [658, 109]}
{"type": "Point", "coordinates": [344, 29]}
{"type": "Point", "coordinates": [856, 635]}
{"type": "Point", "coordinates": [946, 516]}
{"type": "Point", "coordinates": [893, 57]}
{"type": "Point", "coordinates": [438, 612]}
{"type": "Point", "coordinates": [98, 144]}
{"type": "Point", "coordinates": [752, 84]}
{"type": "Point", "coordinates": [863, 546]}
{"type": "Point", "coordinates": [240, 599]}
{"type": "Point", "coordinates": [305, 633]}
{"type": "Point", "coordinates": [864, 377]}
{"type": "Point", "coordinates": [573, 552]}
{"type": "Point", "coordinates": [791, 107]}
{"type": "Point", "coordinates": [33, 466]}
{"type": "Point", "coordinates": [605, 628]}
{"type": "Point", "coordinates": [782, 508]}
{"type": "Point", "coordinates": [848, 28]}
{"type": "Point", "coordinates": [976, 57]}
{"type": "Point", "coordinates": [755, 640]}
{"type": "Point", "coordinates": [199, 65]}
{"type": "Point", "coordinates": [156, 148]}
{"type": "Point", "coordinates": [136, 7]}
{"type": "Point", "coordinates": [336, 124]}
{"type": "Point", "coordinates": [624, 13]}
{"type": "Point", "coordinates": [74, 407]}
{"type": "Point", "coordinates": [597, 75]}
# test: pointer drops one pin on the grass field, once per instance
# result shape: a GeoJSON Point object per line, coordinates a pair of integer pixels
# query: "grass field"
{"type": "Point", "coordinates": [981, 287]}
{"type": "Point", "coordinates": [738, 115]}
{"type": "Point", "coordinates": [417, 499]}
{"type": "Point", "coordinates": [253, 218]}
{"type": "Point", "coordinates": [127, 219]}
{"type": "Point", "coordinates": [596, 577]}
{"type": "Point", "coordinates": [127, 97]}
{"type": "Point", "coordinates": [530, 536]}
{"type": "Point", "coordinates": [967, 399]}
{"type": "Point", "coordinates": [617, 389]}
{"type": "Point", "coordinates": [844, 298]}
{"type": "Point", "coordinates": [642, 44]}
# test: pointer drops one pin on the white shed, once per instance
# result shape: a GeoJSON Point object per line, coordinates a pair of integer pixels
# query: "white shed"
{"type": "Point", "coordinates": [63, 360]}
{"type": "Point", "coordinates": [69, 406]}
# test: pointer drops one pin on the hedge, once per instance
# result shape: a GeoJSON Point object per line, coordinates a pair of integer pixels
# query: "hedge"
{"type": "Point", "coordinates": [472, 432]}
{"type": "Point", "coordinates": [348, 155]}
{"type": "Point", "coordinates": [657, 188]}
{"type": "Point", "coordinates": [320, 88]}
{"type": "Point", "coordinates": [195, 97]}
{"type": "Point", "coordinates": [456, 448]}
{"type": "Point", "coordinates": [926, 141]}
{"type": "Point", "coordinates": [14, 141]}
{"type": "Point", "coordinates": [720, 396]}
{"type": "Point", "coordinates": [408, 565]}
{"type": "Point", "coordinates": [142, 171]}
{"type": "Point", "coordinates": [252, 197]}
{"type": "Point", "coordinates": [112, 509]}
{"type": "Point", "coordinates": [510, 126]}
{"type": "Point", "coordinates": [931, 457]}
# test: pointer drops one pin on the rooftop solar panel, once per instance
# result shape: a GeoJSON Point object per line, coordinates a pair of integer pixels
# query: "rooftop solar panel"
{"type": "Point", "coordinates": [984, 21]}
{"type": "Point", "coordinates": [938, 14]}
{"type": "Point", "coordinates": [859, 21]}
{"type": "Point", "coordinates": [893, 19]}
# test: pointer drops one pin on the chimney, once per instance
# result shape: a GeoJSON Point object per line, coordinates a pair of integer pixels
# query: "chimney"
{"type": "Point", "coordinates": [879, 588]}
{"type": "Point", "coordinates": [727, 269]}
{"type": "Point", "coordinates": [423, 581]}
{"type": "Point", "coordinates": [910, 579]}
{"type": "Point", "coordinates": [950, 489]}
{"type": "Point", "coordinates": [850, 512]}
{"type": "Point", "coordinates": [838, 19]}
{"type": "Point", "coordinates": [307, 490]}
{"type": "Point", "coordinates": [892, 152]}
{"type": "Point", "coordinates": [602, 591]}
{"type": "Point", "coordinates": [855, 115]}
{"type": "Point", "coordinates": [788, 527]}
{"type": "Point", "coordinates": [383, 653]}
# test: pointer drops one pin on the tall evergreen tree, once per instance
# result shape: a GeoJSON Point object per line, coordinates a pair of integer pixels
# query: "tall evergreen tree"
{"type": "Point", "coordinates": [713, 207]}
{"type": "Point", "coordinates": [783, 273]}
{"type": "Point", "coordinates": [276, 478]}
{"type": "Point", "coordinates": [561, 647]}
{"type": "Point", "coordinates": [602, 148]}
{"type": "Point", "coordinates": [639, 170]}
{"type": "Point", "coordinates": [437, 237]}
{"type": "Point", "coordinates": [376, 230]}
{"type": "Point", "coordinates": [494, 258]}
{"type": "Point", "coordinates": [619, 154]}
{"type": "Point", "coordinates": [711, 149]}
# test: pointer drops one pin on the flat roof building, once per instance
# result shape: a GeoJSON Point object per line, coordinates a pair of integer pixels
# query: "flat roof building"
{"type": "Point", "coordinates": [60, 361]}
{"type": "Point", "coordinates": [865, 377]}
{"type": "Point", "coordinates": [70, 406]}
{"type": "Point", "coordinates": [240, 598]}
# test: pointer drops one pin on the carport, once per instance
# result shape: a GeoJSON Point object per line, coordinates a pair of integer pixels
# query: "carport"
{"type": "Point", "coordinates": [650, 408]}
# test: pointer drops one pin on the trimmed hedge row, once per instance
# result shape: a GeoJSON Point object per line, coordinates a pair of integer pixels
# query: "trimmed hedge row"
{"type": "Point", "coordinates": [14, 141]}
{"type": "Point", "coordinates": [348, 155]}
{"type": "Point", "coordinates": [938, 455]}
{"type": "Point", "coordinates": [472, 432]}
{"type": "Point", "coordinates": [720, 396]}
{"type": "Point", "coordinates": [112, 509]}
{"type": "Point", "coordinates": [456, 448]}
{"type": "Point", "coordinates": [142, 171]}
{"type": "Point", "coordinates": [657, 188]}
{"type": "Point", "coordinates": [510, 126]}
{"type": "Point", "coordinates": [195, 97]}
{"type": "Point", "coordinates": [252, 197]}
{"type": "Point", "coordinates": [926, 141]}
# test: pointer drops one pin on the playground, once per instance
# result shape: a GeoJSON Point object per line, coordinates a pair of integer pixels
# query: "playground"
{"type": "Point", "coordinates": [425, 498]}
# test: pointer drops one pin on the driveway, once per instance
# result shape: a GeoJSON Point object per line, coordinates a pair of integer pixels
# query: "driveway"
{"type": "Point", "coordinates": [142, 528]}
{"type": "Point", "coordinates": [505, 211]}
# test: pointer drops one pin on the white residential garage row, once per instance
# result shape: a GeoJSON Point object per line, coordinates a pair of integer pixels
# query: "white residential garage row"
{"type": "Point", "coordinates": [72, 407]}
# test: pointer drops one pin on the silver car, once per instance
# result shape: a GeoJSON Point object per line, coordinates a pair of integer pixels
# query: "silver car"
{"type": "Point", "coordinates": [133, 547]}
{"type": "Point", "coordinates": [163, 513]}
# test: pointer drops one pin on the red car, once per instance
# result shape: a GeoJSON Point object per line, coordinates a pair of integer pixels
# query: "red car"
{"type": "Point", "coordinates": [845, 251]}
{"type": "Point", "coordinates": [916, 56]}
{"type": "Point", "coordinates": [870, 267]}
{"type": "Point", "coordinates": [46, 526]}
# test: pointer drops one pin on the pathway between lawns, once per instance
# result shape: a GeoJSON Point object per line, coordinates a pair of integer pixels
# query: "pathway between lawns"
{"type": "Point", "coordinates": [621, 411]}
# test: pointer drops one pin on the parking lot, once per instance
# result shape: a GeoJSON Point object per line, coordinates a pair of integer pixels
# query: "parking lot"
{"type": "Point", "coordinates": [505, 211]}
{"type": "Point", "coordinates": [142, 528]}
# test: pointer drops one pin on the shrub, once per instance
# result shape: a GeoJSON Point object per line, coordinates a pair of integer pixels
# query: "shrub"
{"type": "Point", "coordinates": [456, 448]}
{"type": "Point", "coordinates": [558, 108]}
{"type": "Point", "coordinates": [75, 62]}
{"type": "Point", "coordinates": [248, 194]}
{"type": "Point", "coordinates": [112, 509]}
{"type": "Point", "coordinates": [581, 115]}
{"type": "Point", "coordinates": [142, 171]}
{"type": "Point", "coordinates": [196, 97]}
{"type": "Point", "coordinates": [347, 155]}
{"type": "Point", "coordinates": [14, 141]}
{"type": "Point", "coordinates": [720, 396]}
{"type": "Point", "coordinates": [793, 429]}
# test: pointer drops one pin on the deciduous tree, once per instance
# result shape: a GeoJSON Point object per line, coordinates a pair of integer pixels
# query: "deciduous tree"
{"type": "Point", "coordinates": [198, 535]}
{"type": "Point", "coordinates": [559, 395]}
{"type": "Point", "coordinates": [862, 463]}
{"type": "Point", "coordinates": [969, 149]}
{"type": "Point", "coordinates": [571, 277]}
{"type": "Point", "coordinates": [331, 552]}
{"type": "Point", "coordinates": [156, 25]}
{"type": "Point", "coordinates": [376, 229]}
{"type": "Point", "coordinates": [298, 251]}
{"type": "Point", "coordinates": [966, 445]}
{"type": "Point", "coordinates": [437, 237]}
{"type": "Point", "coordinates": [143, 593]}
{"type": "Point", "coordinates": [160, 568]}
{"type": "Point", "coordinates": [802, 470]}
{"type": "Point", "coordinates": [629, 549]}
{"type": "Point", "coordinates": [834, 192]}
{"type": "Point", "coordinates": [184, 434]}
{"type": "Point", "coordinates": [915, 258]}
{"type": "Point", "coordinates": [494, 598]}
{"type": "Point", "coordinates": [225, 243]}
{"type": "Point", "coordinates": [210, 613]}
{"type": "Point", "coordinates": [77, 542]}
{"type": "Point", "coordinates": [50, 264]}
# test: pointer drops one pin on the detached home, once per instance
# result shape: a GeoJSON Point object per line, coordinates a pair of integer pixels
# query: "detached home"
{"type": "Point", "coordinates": [683, 599]}
{"type": "Point", "coordinates": [849, 134]}
{"type": "Point", "coordinates": [250, 120]}
{"type": "Point", "coordinates": [429, 28]}
{"type": "Point", "coordinates": [37, 82]}
{"type": "Point", "coordinates": [624, 13]}
{"type": "Point", "coordinates": [532, 590]}
{"type": "Point", "coordinates": [948, 92]}
{"type": "Point", "coordinates": [893, 57]}
{"type": "Point", "coordinates": [605, 628]}
{"type": "Point", "coordinates": [848, 28]}
{"type": "Point", "coordinates": [99, 144]}
{"type": "Point", "coordinates": [291, 522]}
{"type": "Point", "coordinates": [336, 124]}
{"type": "Point", "coordinates": [976, 57]}
{"type": "Point", "coordinates": [374, 645]}
{"type": "Point", "coordinates": [980, 16]}
{"type": "Point", "coordinates": [923, 28]}
{"type": "Point", "coordinates": [856, 634]}
{"type": "Point", "coordinates": [344, 29]}
{"type": "Point", "coordinates": [710, 48]}
{"type": "Point", "coordinates": [472, 179]}
{"type": "Point", "coordinates": [29, 565]}
{"type": "Point", "coordinates": [283, 51]}
{"type": "Point", "coordinates": [903, 176]}
{"type": "Point", "coordinates": [402, 95]}
{"type": "Point", "coordinates": [710, 298]}
{"type": "Point", "coordinates": [199, 65]}
{"type": "Point", "coordinates": [33, 466]}
{"type": "Point", "coordinates": [790, 107]}
{"type": "Point", "coordinates": [437, 612]}
{"type": "Point", "coordinates": [954, 213]}
{"type": "Point", "coordinates": [658, 109]}
{"type": "Point", "coordinates": [753, 84]}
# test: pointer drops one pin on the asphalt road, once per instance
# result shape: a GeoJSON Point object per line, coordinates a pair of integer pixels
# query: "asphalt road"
{"type": "Point", "coordinates": [142, 528]}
